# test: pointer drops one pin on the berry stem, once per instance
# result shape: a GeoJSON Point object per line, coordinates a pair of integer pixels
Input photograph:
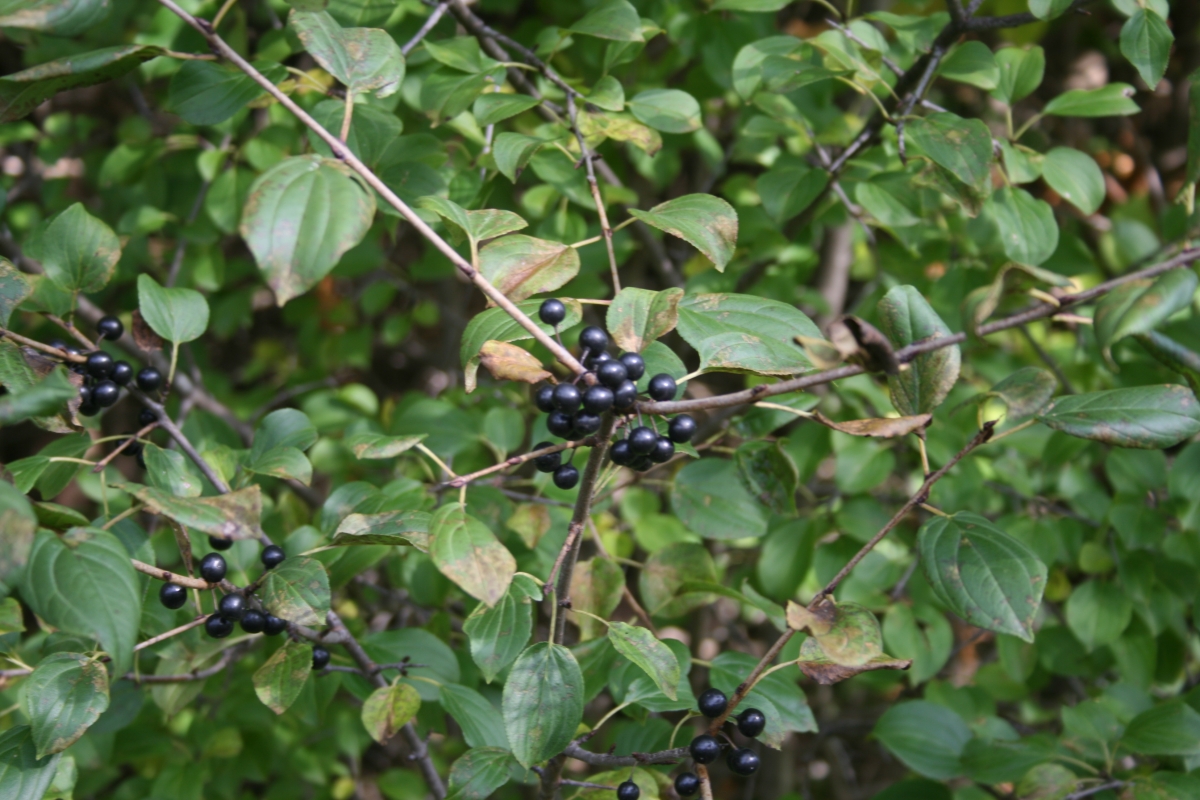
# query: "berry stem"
{"type": "Point", "coordinates": [104, 462]}
{"type": "Point", "coordinates": [705, 783]}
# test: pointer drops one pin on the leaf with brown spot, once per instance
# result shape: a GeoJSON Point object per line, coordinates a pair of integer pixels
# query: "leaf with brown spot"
{"type": "Point", "coordinates": [816, 665]}
{"type": "Point", "coordinates": [620, 128]}
{"type": "Point", "coordinates": [907, 318]}
{"type": "Point", "coordinates": [298, 591]}
{"type": "Point", "coordinates": [1141, 306]}
{"type": "Point", "coordinates": [884, 428]}
{"type": "Point", "coordinates": [66, 693]}
{"type": "Point", "coordinates": [510, 362]}
{"type": "Point", "coordinates": [387, 710]}
{"type": "Point", "coordinates": [639, 316]}
{"type": "Point", "coordinates": [22, 369]}
{"type": "Point", "coordinates": [363, 59]}
{"type": "Point", "coordinates": [388, 528]}
{"type": "Point", "coordinates": [1147, 417]}
{"type": "Point", "coordinates": [596, 586]}
{"type": "Point", "coordinates": [143, 335]}
{"type": "Point", "coordinates": [468, 553]}
{"type": "Point", "coordinates": [854, 637]}
{"type": "Point", "coordinates": [530, 521]}
{"type": "Point", "coordinates": [236, 515]}
{"type": "Point", "coordinates": [521, 266]}
{"type": "Point", "coordinates": [22, 92]}
{"type": "Point", "coordinates": [280, 679]}
{"type": "Point", "coordinates": [815, 621]}
{"type": "Point", "coordinates": [705, 222]}
{"type": "Point", "coordinates": [380, 445]}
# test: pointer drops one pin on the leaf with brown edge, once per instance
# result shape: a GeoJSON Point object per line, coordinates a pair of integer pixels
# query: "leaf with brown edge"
{"type": "Point", "coordinates": [298, 591]}
{"type": "Point", "coordinates": [620, 128]}
{"type": "Point", "coordinates": [380, 445]}
{"type": "Point", "coordinates": [66, 693]}
{"type": "Point", "coordinates": [235, 515]}
{"type": "Point", "coordinates": [388, 709]}
{"type": "Point", "coordinates": [884, 428]}
{"type": "Point", "coordinates": [521, 266]}
{"type": "Point", "coordinates": [280, 679]}
{"type": "Point", "coordinates": [816, 620]}
{"type": "Point", "coordinates": [639, 316]}
{"type": "Point", "coordinates": [468, 553]}
{"type": "Point", "coordinates": [387, 528]}
{"type": "Point", "coordinates": [705, 222]}
{"type": "Point", "coordinates": [143, 335]}
{"type": "Point", "coordinates": [854, 638]}
{"type": "Point", "coordinates": [510, 362]}
{"type": "Point", "coordinates": [861, 343]}
{"type": "Point", "coordinates": [816, 665]}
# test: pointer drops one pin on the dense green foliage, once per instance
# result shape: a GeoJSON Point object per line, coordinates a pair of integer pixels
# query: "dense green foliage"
{"type": "Point", "coordinates": [921, 274]}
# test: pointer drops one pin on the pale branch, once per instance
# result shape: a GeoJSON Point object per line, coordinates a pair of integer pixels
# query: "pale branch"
{"type": "Point", "coordinates": [224, 661]}
{"type": "Point", "coordinates": [435, 16]}
{"type": "Point", "coordinates": [514, 461]}
{"type": "Point", "coordinates": [120, 448]}
{"type": "Point", "coordinates": [170, 577]}
{"type": "Point", "coordinates": [636, 759]}
{"type": "Point", "coordinates": [586, 156]}
{"type": "Point", "coordinates": [162, 637]}
{"type": "Point", "coordinates": [907, 354]}
{"type": "Point", "coordinates": [45, 348]}
{"type": "Point", "coordinates": [168, 425]}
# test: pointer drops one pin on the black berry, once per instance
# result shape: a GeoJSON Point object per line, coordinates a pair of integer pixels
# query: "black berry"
{"type": "Point", "coordinates": [560, 424]}
{"type": "Point", "coordinates": [69, 350]}
{"type": "Point", "coordinates": [548, 462]}
{"type": "Point", "coordinates": [232, 606]}
{"type": "Point", "coordinates": [58, 344]}
{"type": "Point", "coordinates": [133, 449]}
{"type": "Point", "coordinates": [593, 338]}
{"type": "Point", "coordinates": [567, 397]}
{"type": "Point", "coordinates": [566, 476]}
{"type": "Point", "coordinates": [218, 627]}
{"type": "Point", "coordinates": [543, 398]}
{"type": "Point", "coordinates": [642, 440]}
{"type": "Point", "coordinates": [274, 625]}
{"type": "Point", "coordinates": [586, 424]}
{"type": "Point", "coordinates": [105, 393]}
{"type": "Point", "coordinates": [687, 784]}
{"type": "Point", "coordinates": [597, 400]}
{"type": "Point", "coordinates": [99, 365]}
{"type": "Point", "coordinates": [743, 762]}
{"type": "Point", "coordinates": [85, 395]}
{"type": "Point", "coordinates": [217, 543]}
{"type": "Point", "coordinates": [212, 567]}
{"type": "Point", "coordinates": [122, 373]}
{"type": "Point", "coordinates": [620, 453]}
{"type": "Point", "coordinates": [552, 311]}
{"type": "Point", "coordinates": [641, 463]}
{"type": "Point", "coordinates": [634, 365]}
{"type": "Point", "coordinates": [272, 556]}
{"type": "Point", "coordinates": [663, 451]}
{"type": "Point", "coordinates": [593, 360]}
{"type": "Point", "coordinates": [704, 749]}
{"type": "Point", "coordinates": [146, 416]}
{"type": "Point", "coordinates": [751, 722]}
{"type": "Point", "coordinates": [109, 327]}
{"type": "Point", "coordinates": [662, 387]}
{"type": "Point", "coordinates": [625, 395]}
{"type": "Point", "coordinates": [253, 621]}
{"type": "Point", "coordinates": [88, 409]}
{"type": "Point", "coordinates": [149, 379]}
{"type": "Point", "coordinates": [172, 595]}
{"type": "Point", "coordinates": [612, 373]}
{"type": "Point", "coordinates": [628, 791]}
{"type": "Point", "coordinates": [681, 429]}
{"type": "Point", "coordinates": [320, 657]}
{"type": "Point", "coordinates": [713, 703]}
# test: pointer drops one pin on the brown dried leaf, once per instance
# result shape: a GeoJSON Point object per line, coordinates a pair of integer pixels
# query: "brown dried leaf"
{"type": "Point", "coordinates": [816, 665]}
{"type": "Point", "coordinates": [509, 362]}
{"type": "Point", "coordinates": [143, 335]}
{"type": "Point", "coordinates": [861, 343]}
{"type": "Point", "coordinates": [816, 621]}
{"type": "Point", "coordinates": [884, 428]}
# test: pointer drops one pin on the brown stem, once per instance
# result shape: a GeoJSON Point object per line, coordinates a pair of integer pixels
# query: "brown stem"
{"type": "Point", "coordinates": [45, 348]}
{"type": "Point", "coordinates": [170, 577]}
{"type": "Point", "coordinates": [705, 782]}
{"type": "Point", "coordinates": [162, 637]}
{"type": "Point", "coordinates": [514, 461]}
{"type": "Point", "coordinates": [586, 156]}
{"type": "Point", "coordinates": [573, 750]}
{"type": "Point", "coordinates": [120, 448]}
{"type": "Point", "coordinates": [438, 11]}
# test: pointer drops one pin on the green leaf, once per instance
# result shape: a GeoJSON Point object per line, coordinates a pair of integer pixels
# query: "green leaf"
{"type": "Point", "coordinates": [487, 223]}
{"type": "Point", "coordinates": [23, 776]}
{"type": "Point", "coordinates": [286, 427]}
{"type": "Point", "coordinates": [1098, 613]}
{"type": "Point", "coordinates": [972, 63]}
{"type": "Point", "coordinates": [984, 575]}
{"type": "Point", "coordinates": [1076, 177]}
{"type": "Point", "coordinates": [745, 333]}
{"type": "Point", "coordinates": [363, 59]}
{"type": "Point", "coordinates": [543, 702]}
{"type": "Point", "coordinates": [640, 316]}
{"type": "Point", "coordinates": [1047, 781]}
{"type": "Point", "coordinates": [748, 64]}
{"type": "Point", "coordinates": [208, 93]}
{"type": "Point", "coordinates": [380, 445]}
{"type": "Point", "coordinates": [612, 19]}
{"type": "Point", "coordinates": [11, 616]}
{"type": "Point", "coordinates": [283, 462]}
{"type": "Point", "coordinates": [962, 146]}
{"type": "Point", "coordinates": [494, 107]}
{"type": "Point", "coordinates": [1021, 72]}
{"type": "Point", "coordinates": [769, 475]}
{"type": "Point", "coordinates": [22, 92]}
{"type": "Point", "coordinates": [890, 199]}
{"type": "Point", "coordinates": [479, 772]}
{"type": "Point", "coordinates": [608, 93]}
{"type": "Point", "coordinates": [14, 288]}
{"type": "Point", "coordinates": [66, 693]}
{"type": "Point", "coordinates": [78, 251]}
{"type": "Point", "coordinates": [42, 399]}
{"type": "Point", "coordinates": [58, 17]}
{"type": "Point", "coordinates": [596, 588]}
{"type": "Point", "coordinates": [513, 152]}
{"type": "Point", "coordinates": [749, 6]}
{"type": "Point", "coordinates": [1146, 41]}
{"type": "Point", "coordinates": [177, 315]}
{"type": "Point", "coordinates": [298, 591]}
{"type": "Point", "coordinates": [168, 471]}
{"type": "Point", "coordinates": [468, 553]}
{"type": "Point", "coordinates": [1112, 100]}
{"type": "Point", "coordinates": [789, 187]}
{"type": "Point", "coordinates": [235, 515]}
{"type": "Point", "coordinates": [666, 110]}
{"type": "Point", "coordinates": [1028, 231]}
{"type": "Point", "coordinates": [462, 53]}
{"type": "Point", "coordinates": [776, 695]}
{"type": "Point", "coordinates": [373, 131]}
{"type": "Point", "coordinates": [920, 634]}
{"type": "Point", "coordinates": [1141, 306]}
{"type": "Point", "coordinates": [50, 478]}
{"type": "Point", "coordinates": [521, 266]}
{"type": "Point", "coordinates": [707, 223]}
{"type": "Point", "coordinates": [83, 583]}
{"type": "Point", "coordinates": [279, 681]}
{"type": "Point", "coordinates": [499, 634]}
{"type": "Point", "coordinates": [662, 578]}
{"type": "Point", "coordinates": [654, 658]}
{"type": "Point", "coordinates": [389, 709]}
{"type": "Point", "coordinates": [388, 528]}
{"type": "Point", "coordinates": [1149, 417]}
{"type": "Point", "coordinates": [1192, 173]}
{"type": "Point", "coordinates": [300, 217]}
{"type": "Point", "coordinates": [710, 500]}
{"type": "Point", "coordinates": [1171, 729]}
{"type": "Point", "coordinates": [928, 738]}
{"type": "Point", "coordinates": [1172, 355]}
{"type": "Point", "coordinates": [495, 324]}
{"type": "Point", "coordinates": [907, 318]}
{"type": "Point", "coordinates": [480, 721]}
{"type": "Point", "coordinates": [1025, 392]}
{"type": "Point", "coordinates": [1049, 9]}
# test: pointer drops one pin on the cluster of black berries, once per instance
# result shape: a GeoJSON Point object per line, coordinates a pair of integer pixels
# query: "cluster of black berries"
{"type": "Point", "coordinates": [575, 413]}
{"type": "Point", "coordinates": [103, 376]}
{"type": "Point", "coordinates": [705, 748]}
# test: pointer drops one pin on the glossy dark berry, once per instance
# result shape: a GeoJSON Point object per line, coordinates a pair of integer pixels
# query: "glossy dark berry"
{"type": "Point", "coordinates": [560, 424]}
{"type": "Point", "coordinates": [122, 373]}
{"type": "Point", "coordinates": [71, 350]}
{"type": "Point", "coordinates": [543, 398]}
{"type": "Point", "coordinates": [743, 762]}
{"type": "Point", "coordinates": [628, 791]}
{"type": "Point", "coordinates": [85, 395]}
{"type": "Point", "coordinates": [593, 338]}
{"type": "Point", "coordinates": [751, 722]}
{"type": "Point", "coordinates": [586, 424]}
{"type": "Point", "coordinates": [567, 397]}
{"type": "Point", "coordinates": [642, 440]}
{"type": "Point", "coordinates": [58, 344]}
{"type": "Point", "coordinates": [662, 387]}
{"type": "Point", "coordinates": [109, 327]}
{"type": "Point", "coordinates": [566, 476]}
{"type": "Point", "coordinates": [641, 463]}
{"type": "Point", "coordinates": [133, 449]}
{"type": "Point", "coordinates": [704, 749]}
{"type": "Point", "coordinates": [212, 567]}
{"type": "Point", "coordinates": [681, 429]}
{"type": "Point", "coordinates": [253, 621]}
{"type": "Point", "coordinates": [548, 462]}
{"type": "Point", "coordinates": [687, 784]}
{"type": "Point", "coordinates": [105, 393]}
{"type": "Point", "coordinates": [218, 627]}
{"type": "Point", "coordinates": [218, 543]}
{"type": "Point", "coordinates": [146, 416]}
{"type": "Point", "coordinates": [232, 606]}
{"type": "Point", "coordinates": [597, 400]}
{"type": "Point", "coordinates": [88, 409]}
{"type": "Point", "coordinates": [593, 360]}
{"type": "Point", "coordinates": [149, 379]}
{"type": "Point", "coordinates": [612, 373]}
{"type": "Point", "coordinates": [320, 657]}
{"type": "Point", "coordinates": [272, 556]}
{"type": "Point", "coordinates": [172, 595]}
{"type": "Point", "coordinates": [713, 703]}
{"type": "Point", "coordinates": [99, 365]}
{"type": "Point", "coordinates": [274, 625]}
{"type": "Point", "coordinates": [620, 453]}
{"type": "Point", "coordinates": [552, 311]}
{"type": "Point", "coordinates": [663, 451]}
{"type": "Point", "coordinates": [635, 366]}
{"type": "Point", "coordinates": [625, 395]}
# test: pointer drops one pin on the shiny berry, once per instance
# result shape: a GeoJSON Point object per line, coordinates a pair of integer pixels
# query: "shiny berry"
{"type": "Point", "coordinates": [567, 397]}
{"type": "Point", "coordinates": [212, 567]}
{"type": "Point", "coordinates": [585, 424]}
{"type": "Point", "coordinates": [272, 556]}
{"type": "Point", "coordinates": [274, 625]}
{"type": "Point", "coordinates": [146, 416]}
{"type": "Point", "coordinates": [593, 338]}
{"type": "Point", "coordinates": [253, 621]}
{"type": "Point", "coordinates": [625, 395]}
{"type": "Point", "coordinates": [548, 462]}
{"type": "Point", "coordinates": [713, 703]}
{"type": "Point", "coordinates": [58, 344]}
{"type": "Point", "coordinates": [641, 463]}
{"type": "Point", "coordinates": [628, 791]}
{"type": "Point", "coordinates": [620, 453]}
{"type": "Point", "coordinates": [149, 379]}
{"type": "Point", "coordinates": [218, 543]}
{"type": "Point", "coordinates": [320, 658]}
{"type": "Point", "coordinates": [543, 398]}
{"type": "Point", "coordinates": [566, 476]}
{"type": "Point", "coordinates": [99, 365]}
{"type": "Point", "coordinates": [218, 627]}
{"type": "Point", "coordinates": [560, 424]}
{"type": "Point", "coordinates": [88, 409]}
{"type": "Point", "coordinates": [597, 400]}
{"type": "Point", "coordinates": [743, 762]}
{"type": "Point", "coordinates": [635, 366]}
{"type": "Point", "coordinates": [662, 387]}
{"type": "Point", "coordinates": [642, 440]}
{"type": "Point", "coordinates": [122, 373]}
{"type": "Point", "coordinates": [172, 595]}
{"type": "Point", "coordinates": [552, 311]}
{"type": "Point", "coordinates": [105, 393]}
{"type": "Point", "coordinates": [232, 606]}
{"type": "Point", "coordinates": [751, 722]}
{"type": "Point", "coordinates": [612, 374]}
{"type": "Point", "coordinates": [85, 395]}
{"type": "Point", "coordinates": [663, 451]}
{"type": "Point", "coordinates": [681, 429]}
{"type": "Point", "coordinates": [687, 784]}
{"type": "Point", "coordinates": [595, 359]}
{"type": "Point", "coordinates": [109, 327]}
{"type": "Point", "coordinates": [704, 749]}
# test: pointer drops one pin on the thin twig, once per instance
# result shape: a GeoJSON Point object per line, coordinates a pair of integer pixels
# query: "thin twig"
{"type": "Point", "coordinates": [438, 11]}
{"type": "Point", "coordinates": [120, 448]}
